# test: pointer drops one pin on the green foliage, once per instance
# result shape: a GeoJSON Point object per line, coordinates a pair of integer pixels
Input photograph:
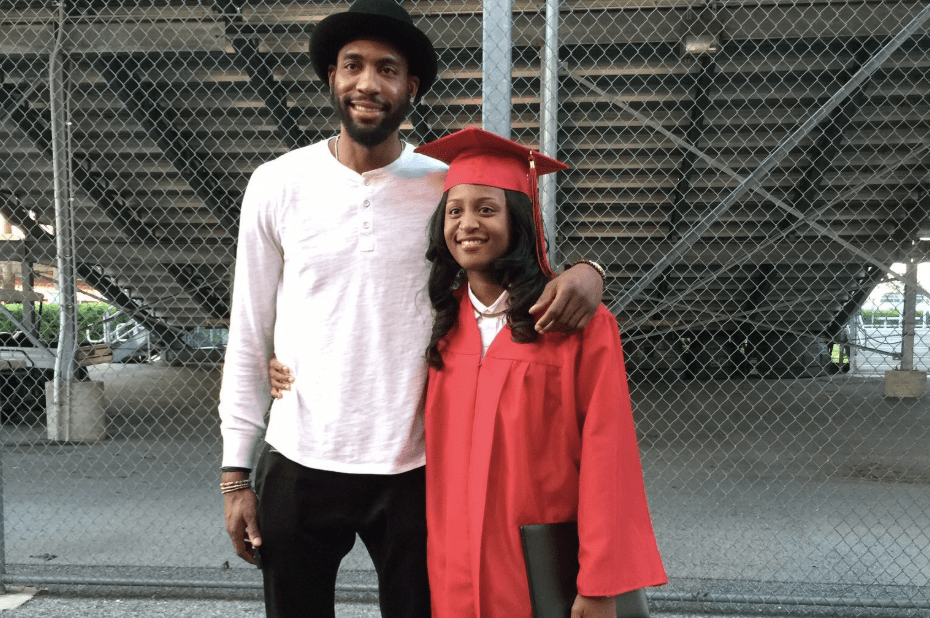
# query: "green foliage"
{"type": "Point", "coordinates": [872, 317]}
{"type": "Point", "coordinates": [89, 316]}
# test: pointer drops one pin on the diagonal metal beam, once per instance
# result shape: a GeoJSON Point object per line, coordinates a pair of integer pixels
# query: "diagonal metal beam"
{"type": "Point", "coordinates": [6, 113]}
{"type": "Point", "coordinates": [260, 68]}
{"type": "Point", "coordinates": [13, 212]}
{"type": "Point", "coordinates": [762, 285]}
{"type": "Point", "coordinates": [867, 283]}
{"type": "Point", "coordinates": [158, 120]}
{"type": "Point", "coordinates": [864, 286]}
{"type": "Point", "coordinates": [205, 291]}
{"type": "Point", "coordinates": [98, 188]}
{"type": "Point", "coordinates": [673, 255]}
{"type": "Point", "coordinates": [809, 188]}
{"type": "Point", "coordinates": [828, 144]}
{"type": "Point", "coordinates": [96, 185]}
{"type": "Point", "coordinates": [93, 183]}
{"type": "Point", "coordinates": [753, 181]}
{"type": "Point", "coordinates": [745, 317]}
{"type": "Point", "coordinates": [700, 102]}
{"type": "Point", "coordinates": [776, 238]}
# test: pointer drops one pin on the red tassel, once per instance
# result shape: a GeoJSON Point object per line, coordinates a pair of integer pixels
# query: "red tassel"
{"type": "Point", "coordinates": [538, 220]}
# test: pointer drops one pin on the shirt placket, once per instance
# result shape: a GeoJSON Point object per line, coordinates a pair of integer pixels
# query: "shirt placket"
{"type": "Point", "coordinates": [366, 223]}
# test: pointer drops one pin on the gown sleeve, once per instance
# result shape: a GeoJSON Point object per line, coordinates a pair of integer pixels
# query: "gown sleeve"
{"type": "Point", "coordinates": [618, 550]}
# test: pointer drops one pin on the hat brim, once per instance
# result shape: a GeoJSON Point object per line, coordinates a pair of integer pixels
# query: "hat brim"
{"type": "Point", "coordinates": [336, 30]}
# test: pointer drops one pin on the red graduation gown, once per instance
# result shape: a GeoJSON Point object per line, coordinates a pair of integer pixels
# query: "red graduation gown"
{"type": "Point", "coordinates": [532, 433]}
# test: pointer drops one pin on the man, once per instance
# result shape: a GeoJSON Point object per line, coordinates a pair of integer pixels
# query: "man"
{"type": "Point", "coordinates": [330, 277]}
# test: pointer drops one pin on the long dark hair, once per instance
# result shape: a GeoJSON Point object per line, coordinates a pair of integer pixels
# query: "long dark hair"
{"type": "Point", "coordinates": [517, 271]}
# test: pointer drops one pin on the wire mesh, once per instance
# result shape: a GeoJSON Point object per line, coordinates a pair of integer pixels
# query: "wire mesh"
{"type": "Point", "coordinates": [748, 173]}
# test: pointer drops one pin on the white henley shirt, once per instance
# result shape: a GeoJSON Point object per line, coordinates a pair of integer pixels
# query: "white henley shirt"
{"type": "Point", "coordinates": [330, 276]}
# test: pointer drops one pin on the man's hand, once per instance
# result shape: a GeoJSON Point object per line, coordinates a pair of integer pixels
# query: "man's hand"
{"type": "Point", "coordinates": [241, 509]}
{"type": "Point", "coordinates": [569, 300]}
{"type": "Point", "coordinates": [594, 607]}
{"type": "Point", "coordinates": [280, 376]}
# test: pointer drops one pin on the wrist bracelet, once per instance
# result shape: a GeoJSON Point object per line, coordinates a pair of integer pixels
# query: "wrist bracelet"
{"type": "Point", "coordinates": [235, 469]}
{"type": "Point", "coordinates": [234, 489]}
{"type": "Point", "coordinates": [236, 482]}
{"type": "Point", "coordinates": [231, 486]}
{"type": "Point", "coordinates": [597, 267]}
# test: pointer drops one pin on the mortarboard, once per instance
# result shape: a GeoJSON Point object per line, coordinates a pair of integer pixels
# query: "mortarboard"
{"type": "Point", "coordinates": [478, 157]}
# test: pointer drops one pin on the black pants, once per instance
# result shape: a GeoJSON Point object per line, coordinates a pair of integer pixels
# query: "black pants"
{"type": "Point", "coordinates": [308, 520]}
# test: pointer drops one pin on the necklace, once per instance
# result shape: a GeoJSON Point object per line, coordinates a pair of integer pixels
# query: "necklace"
{"type": "Point", "coordinates": [488, 314]}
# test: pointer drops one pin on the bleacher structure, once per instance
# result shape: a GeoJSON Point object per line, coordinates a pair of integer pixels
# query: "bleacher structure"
{"type": "Point", "coordinates": [717, 264]}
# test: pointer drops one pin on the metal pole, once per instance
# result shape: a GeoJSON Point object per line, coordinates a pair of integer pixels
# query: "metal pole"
{"type": "Point", "coordinates": [853, 339]}
{"type": "Point", "coordinates": [549, 127]}
{"type": "Point", "coordinates": [2, 522]}
{"type": "Point", "coordinates": [497, 48]}
{"type": "Point", "coordinates": [65, 364]}
{"type": "Point", "coordinates": [910, 313]}
{"type": "Point", "coordinates": [29, 309]}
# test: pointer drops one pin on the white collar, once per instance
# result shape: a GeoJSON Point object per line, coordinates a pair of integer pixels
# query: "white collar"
{"type": "Point", "coordinates": [501, 304]}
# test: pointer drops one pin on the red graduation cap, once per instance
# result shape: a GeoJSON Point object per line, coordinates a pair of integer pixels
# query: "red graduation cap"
{"type": "Point", "coordinates": [478, 157]}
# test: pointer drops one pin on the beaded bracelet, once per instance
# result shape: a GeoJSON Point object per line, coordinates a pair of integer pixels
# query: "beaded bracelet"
{"type": "Point", "coordinates": [226, 484]}
{"type": "Point", "coordinates": [230, 490]}
{"type": "Point", "coordinates": [231, 486]}
{"type": "Point", "coordinates": [597, 267]}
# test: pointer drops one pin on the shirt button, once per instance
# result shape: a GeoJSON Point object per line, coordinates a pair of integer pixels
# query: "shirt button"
{"type": "Point", "coordinates": [365, 225]}
{"type": "Point", "coordinates": [366, 203]}
{"type": "Point", "coordinates": [367, 182]}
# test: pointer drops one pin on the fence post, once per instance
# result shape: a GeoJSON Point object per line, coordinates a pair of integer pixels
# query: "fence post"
{"type": "Point", "coordinates": [2, 522]}
{"type": "Point", "coordinates": [910, 311]}
{"type": "Point", "coordinates": [65, 366]}
{"type": "Point", "coordinates": [497, 28]}
{"type": "Point", "coordinates": [549, 127]}
{"type": "Point", "coordinates": [907, 381]}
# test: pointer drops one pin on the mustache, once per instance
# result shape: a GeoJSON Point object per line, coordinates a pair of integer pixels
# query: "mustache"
{"type": "Point", "coordinates": [363, 99]}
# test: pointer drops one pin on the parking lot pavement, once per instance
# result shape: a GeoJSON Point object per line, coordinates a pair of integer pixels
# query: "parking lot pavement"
{"type": "Point", "coordinates": [45, 604]}
{"type": "Point", "coordinates": [54, 606]}
{"type": "Point", "coordinates": [747, 510]}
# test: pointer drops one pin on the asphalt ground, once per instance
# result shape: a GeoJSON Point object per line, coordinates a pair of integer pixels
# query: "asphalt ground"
{"type": "Point", "coordinates": [766, 490]}
{"type": "Point", "coordinates": [42, 604]}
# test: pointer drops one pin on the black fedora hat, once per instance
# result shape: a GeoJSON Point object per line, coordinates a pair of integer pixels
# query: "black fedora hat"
{"type": "Point", "coordinates": [378, 19]}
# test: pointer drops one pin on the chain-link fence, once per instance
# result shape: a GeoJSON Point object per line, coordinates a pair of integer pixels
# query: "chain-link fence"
{"type": "Point", "coordinates": [748, 172]}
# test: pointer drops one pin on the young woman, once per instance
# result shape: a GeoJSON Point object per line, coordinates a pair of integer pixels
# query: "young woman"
{"type": "Point", "coordinates": [521, 427]}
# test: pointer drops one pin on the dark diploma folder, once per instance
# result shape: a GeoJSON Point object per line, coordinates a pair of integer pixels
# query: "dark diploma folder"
{"type": "Point", "coordinates": [551, 553]}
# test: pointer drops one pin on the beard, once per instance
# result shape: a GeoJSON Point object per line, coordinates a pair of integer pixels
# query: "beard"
{"type": "Point", "coordinates": [372, 135]}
